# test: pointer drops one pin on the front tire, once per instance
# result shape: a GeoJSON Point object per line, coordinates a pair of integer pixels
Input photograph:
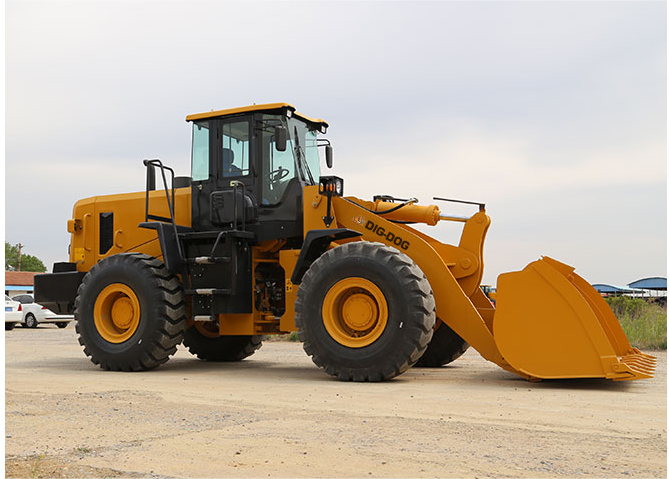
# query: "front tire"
{"type": "Point", "coordinates": [130, 313]}
{"type": "Point", "coordinates": [62, 325]}
{"type": "Point", "coordinates": [203, 341]}
{"type": "Point", "coordinates": [365, 312]}
{"type": "Point", "coordinates": [9, 326]}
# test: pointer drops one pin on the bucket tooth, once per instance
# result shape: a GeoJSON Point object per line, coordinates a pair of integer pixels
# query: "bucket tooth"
{"type": "Point", "coordinates": [640, 363]}
{"type": "Point", "coordinates": [636, 364]}
{"type": "Point", "coordinates": [641, 359]}
{"type": "Point", "coordinates": [647, 359]}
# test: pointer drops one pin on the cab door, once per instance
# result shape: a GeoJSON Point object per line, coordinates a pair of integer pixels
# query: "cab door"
{"type": "Point", "coordinates": [223, 152]}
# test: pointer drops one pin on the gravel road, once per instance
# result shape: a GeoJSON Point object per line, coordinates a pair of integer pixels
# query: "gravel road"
{"type": "Point", "coordinates": [277, 415]}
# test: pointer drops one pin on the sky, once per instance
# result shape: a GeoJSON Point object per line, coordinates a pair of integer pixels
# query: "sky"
{"type": "Point", "coordinates": [552, 113]}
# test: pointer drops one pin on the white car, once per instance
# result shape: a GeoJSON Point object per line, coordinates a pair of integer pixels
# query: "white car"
{"type": "Point", "coordinates": [34, 314]}
{"type": "Point", "coordinates": [13, 313]}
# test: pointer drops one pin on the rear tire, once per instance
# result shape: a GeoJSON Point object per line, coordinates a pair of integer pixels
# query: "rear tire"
{"type": "Point", "coordinates": [208, 346]}
{"type": "Point", "coordinates": [31, 321]}
{"type": "Point", "coordinates": [446, 346]}
{"type": "Point", "coordinates": [130, 313]}
{"type": "Point", "coordinates": [378, 297]}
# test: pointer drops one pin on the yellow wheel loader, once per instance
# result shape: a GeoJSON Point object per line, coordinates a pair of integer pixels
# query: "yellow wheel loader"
{"type": "Point", "coordinates": [256, 242]}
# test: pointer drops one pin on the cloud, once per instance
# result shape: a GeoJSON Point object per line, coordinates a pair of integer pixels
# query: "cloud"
{"type": "Point", "coordinates": [553, 113]}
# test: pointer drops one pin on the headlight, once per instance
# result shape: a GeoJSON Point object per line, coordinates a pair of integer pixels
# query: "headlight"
{"type": "Point", "coordinates": [331, 185]}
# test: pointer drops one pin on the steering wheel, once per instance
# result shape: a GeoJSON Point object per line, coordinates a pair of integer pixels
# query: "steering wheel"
{"type": "Point", "coordinates": [276, 175]}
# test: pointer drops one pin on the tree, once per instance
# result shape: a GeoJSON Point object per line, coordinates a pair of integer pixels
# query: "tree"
{"type": "Point", "coordinates": [28, 262]}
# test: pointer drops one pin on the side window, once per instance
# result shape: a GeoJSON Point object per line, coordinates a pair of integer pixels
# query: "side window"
{"type": "Point", "coordinates": [200, 153]}
{"type": "Point", "coordinates": [235, 149]}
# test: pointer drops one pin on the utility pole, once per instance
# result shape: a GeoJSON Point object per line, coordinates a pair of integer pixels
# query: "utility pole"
{"type": "Point", "coordinates": [19, 246]}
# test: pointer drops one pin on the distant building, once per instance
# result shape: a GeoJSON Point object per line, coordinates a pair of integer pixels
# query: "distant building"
{"type": "Point", "coordinates": [650, 284]}
{"type": "Point", "coordinates": [19, 282]}
{"type": "Point", "coordinates": [607, 289]}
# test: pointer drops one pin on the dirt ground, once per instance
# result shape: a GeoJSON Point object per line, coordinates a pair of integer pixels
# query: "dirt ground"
{"type": "Point", "coordinates": [277, 415]}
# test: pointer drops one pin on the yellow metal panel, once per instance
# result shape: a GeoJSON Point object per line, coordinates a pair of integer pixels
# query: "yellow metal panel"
{"type": "Point", "coordinates": [483, 306]}
{"type": "Point", "coordinates": [152, 248]}
{"type": "Point", "coordinates": [89, 231]}
{"type": "Point", "coordinates": [287, 260]}
{"type": "Point", "coordinates": [311, 120]}
{"type": "Point", "coordinates": [315, 208]}
{"type": "Point", "coordinates": [252, 108]}
{"type": "Point", "coordinates": [242, 109]}
{"type": "Point", "coordinates": [236, 324]}
{"type": "Point", "coordinates": [77, 255]}
{"type": "Point", "coordinates": [129, 210]}
{"type": "Point", "coordinates": [464, 265]}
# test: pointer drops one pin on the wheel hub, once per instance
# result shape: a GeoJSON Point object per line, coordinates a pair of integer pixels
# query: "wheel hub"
{"type": "Point", "coordinates": [355, 312]}
{"type": "Point", "coordinates": [116, 313]}
{"type": "Point", "coordinates": [359, 312]}
{"type": "Point", "coordinates": [122, 312]}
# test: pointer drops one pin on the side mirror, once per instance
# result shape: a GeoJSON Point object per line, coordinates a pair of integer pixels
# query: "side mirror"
{"type": "Point", "coordinates": [280, 138]}
{"type": "Point", "coordinates": [328, 156]}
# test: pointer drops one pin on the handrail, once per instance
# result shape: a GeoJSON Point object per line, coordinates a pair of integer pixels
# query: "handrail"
{"type": "Point", "coordinates": [235, 184]}
{"type": "Point", "coordinates": [170, 204]}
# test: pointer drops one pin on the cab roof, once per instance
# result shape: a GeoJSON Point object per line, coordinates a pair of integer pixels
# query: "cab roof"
{"type": "Point", "coordinates": [269, 107]}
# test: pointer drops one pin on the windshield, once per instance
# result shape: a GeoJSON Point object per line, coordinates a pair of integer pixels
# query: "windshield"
{"type": "Point", "coordinates": [304, 143]}
{"type": "Point", "coordinates": [299, 160]}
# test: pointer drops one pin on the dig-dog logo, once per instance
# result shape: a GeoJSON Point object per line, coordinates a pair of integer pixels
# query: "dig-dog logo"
{"type": "Point", "coordinates": [388, 235]}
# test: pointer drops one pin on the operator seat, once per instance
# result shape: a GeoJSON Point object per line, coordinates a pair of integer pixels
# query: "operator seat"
{"type": "Point", "coordinates": [228, 168]}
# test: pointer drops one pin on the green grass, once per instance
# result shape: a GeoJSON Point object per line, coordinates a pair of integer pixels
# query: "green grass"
{"type": "Point", "coordinates": [292, 337]}
{"type": "Point", "coordinates": [645, 324]}
{"type": "Point", "coordinates": [35, 467]}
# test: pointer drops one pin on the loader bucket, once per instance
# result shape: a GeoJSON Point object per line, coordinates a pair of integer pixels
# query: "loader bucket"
{"type": "Point", "coordinates": [550, 323]}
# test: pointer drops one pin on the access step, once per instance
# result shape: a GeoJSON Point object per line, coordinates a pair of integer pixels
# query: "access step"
{"type": "Point", "coordinates": [207, 291]}
{"type": "Point", "coordinates": [209, 260]}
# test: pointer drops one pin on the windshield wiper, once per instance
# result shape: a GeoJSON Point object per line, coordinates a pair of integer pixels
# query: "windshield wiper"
{"type": "Point", "coordinates": [302, 159]}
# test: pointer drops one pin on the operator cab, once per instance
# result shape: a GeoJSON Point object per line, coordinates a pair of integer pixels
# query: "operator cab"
{"type": "Point", "coordinates": [249, 166]}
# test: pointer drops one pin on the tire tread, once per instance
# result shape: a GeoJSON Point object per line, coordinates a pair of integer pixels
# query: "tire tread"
{"type": "Point", "coordinates": [170, 323]}
{"type": "Point", "coordinates": [419, 326]}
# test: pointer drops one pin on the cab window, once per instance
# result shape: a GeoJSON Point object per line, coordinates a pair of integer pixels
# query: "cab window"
{"type": "Point", "coordinates": [235, 142]}
{"type": "Point", "coordinates": [200, 152]}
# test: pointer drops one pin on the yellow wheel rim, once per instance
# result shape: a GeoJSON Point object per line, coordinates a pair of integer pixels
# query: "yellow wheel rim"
{"type": "Point", "coordinates": [355, 312]}
{"type": "Point", "coordinates": [116, 313]}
